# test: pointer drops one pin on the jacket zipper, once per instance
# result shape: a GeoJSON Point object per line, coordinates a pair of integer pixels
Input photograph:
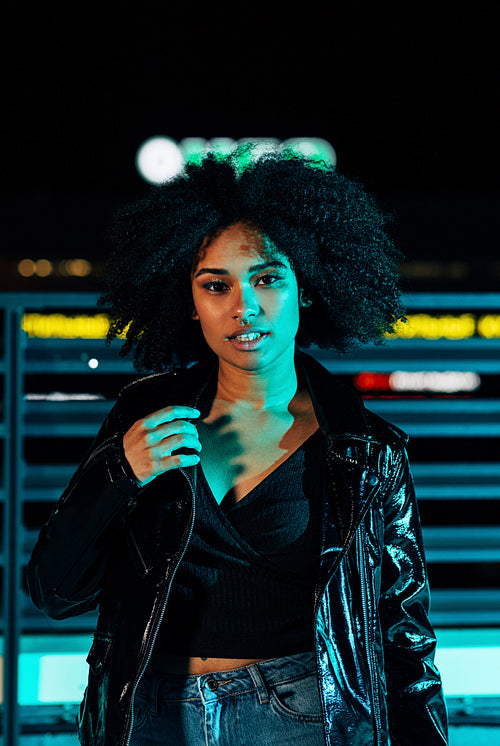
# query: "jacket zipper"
{"type": "Point", "coordinates": [145, 568]}
{"type": "Point", "coordinates": [369, 646]}
{"type": "Point", "coordinates": [319, 590]}
{"type": "Point", "coordinates": [317, 595]}
{"type": "Point", "coordinates": [153, 625]}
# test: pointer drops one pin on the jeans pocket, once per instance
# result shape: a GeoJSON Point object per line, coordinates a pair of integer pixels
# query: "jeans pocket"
{"type": "Point", "coordinates": [298, 698]}
{"type": "Point", "coordinates": [143, 707]}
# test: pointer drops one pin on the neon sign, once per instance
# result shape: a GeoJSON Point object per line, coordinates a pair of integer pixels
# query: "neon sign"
{"type": "Point", "coordinates": [159, 159]}
{"type": "Point", "coordinates": [448, 326]}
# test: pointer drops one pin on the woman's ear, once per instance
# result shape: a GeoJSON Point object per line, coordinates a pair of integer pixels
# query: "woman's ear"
{"type": "Point", "coordinates": [194, 315]}
{"type": "Point", "coordinates": [304, 301]}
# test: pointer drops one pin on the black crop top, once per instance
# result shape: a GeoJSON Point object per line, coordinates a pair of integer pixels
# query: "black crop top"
{"type": "Point", "coordinates": [245, 588]}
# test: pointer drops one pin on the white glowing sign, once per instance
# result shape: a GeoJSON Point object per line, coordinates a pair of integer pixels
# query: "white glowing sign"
{"type": "Point", "coordinates": [439, 381]}
{"type": "Point", "coordinates": [159, 159]}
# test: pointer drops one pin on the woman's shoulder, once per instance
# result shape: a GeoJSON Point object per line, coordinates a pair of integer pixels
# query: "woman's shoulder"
{"type": "Point", "coordinates": [152, 392]}
{"type": "Point", "coordinates": [150, 381]}
{"type": "Point", "coordinates": [386, 431]}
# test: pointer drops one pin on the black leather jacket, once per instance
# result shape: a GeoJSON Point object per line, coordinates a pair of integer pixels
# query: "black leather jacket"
{"type": "Point", "coordinates": [113, 544]}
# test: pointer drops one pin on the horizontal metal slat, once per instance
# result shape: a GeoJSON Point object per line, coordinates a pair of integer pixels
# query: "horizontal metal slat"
{"type": "Point", "coordinates": [435, 418]}
{"type": "Point", "coordinates": [457, 481]}
{"type": "Point", "coordinates": [462, 543]}
{"type": "Point", "coordinates": [478, 355]}
{"type": "Point", "coordinates": [65, 418]}
{"type": "Point", "coordinates": [463, 607]}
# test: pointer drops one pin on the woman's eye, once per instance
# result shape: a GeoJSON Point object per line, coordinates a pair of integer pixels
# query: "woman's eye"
{"type": "Point", "coordinates": [216, 286]}
{"type": "Point", "coordinates": [268, 279]}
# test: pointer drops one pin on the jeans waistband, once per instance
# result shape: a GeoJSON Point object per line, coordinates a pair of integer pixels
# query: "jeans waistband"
{"type": "Point", "coordinates": [258, 676]}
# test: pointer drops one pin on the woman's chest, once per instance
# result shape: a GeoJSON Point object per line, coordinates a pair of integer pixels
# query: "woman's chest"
{"type": "Point", "coordinates": [236, 459]}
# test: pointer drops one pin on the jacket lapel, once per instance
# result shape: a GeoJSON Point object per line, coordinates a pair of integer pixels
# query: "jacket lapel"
{"type": "Point", "coordinates": [350, 458]}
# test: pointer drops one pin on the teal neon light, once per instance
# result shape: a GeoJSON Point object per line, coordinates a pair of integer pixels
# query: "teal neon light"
{"type": "Point", "coordinates": [159, 159]}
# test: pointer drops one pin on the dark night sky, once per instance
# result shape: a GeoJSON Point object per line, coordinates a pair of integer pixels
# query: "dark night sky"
{"type": "Point", "coordinates": [406, 93]}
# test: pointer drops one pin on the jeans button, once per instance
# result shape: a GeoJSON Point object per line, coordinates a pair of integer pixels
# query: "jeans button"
{"type": "Point", "coordinates": [212, 684]}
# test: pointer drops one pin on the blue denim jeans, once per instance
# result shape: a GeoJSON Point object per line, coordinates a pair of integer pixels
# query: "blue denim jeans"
{"type": "Point", "coordinates": [274, 703]}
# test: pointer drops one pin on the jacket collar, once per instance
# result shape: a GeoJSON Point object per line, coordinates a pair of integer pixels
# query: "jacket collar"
{"type": "Point", "coordinates": [339, 410]}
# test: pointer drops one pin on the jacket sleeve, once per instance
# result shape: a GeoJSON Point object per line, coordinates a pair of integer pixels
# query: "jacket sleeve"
{"type": "Point", "coordinates": [66, 567]}
{"type": "Point", "coordinates": [415, 701]}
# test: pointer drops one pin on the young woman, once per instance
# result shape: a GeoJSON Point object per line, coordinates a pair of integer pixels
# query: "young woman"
{"type": "Point", "coordinates": [247, 528]}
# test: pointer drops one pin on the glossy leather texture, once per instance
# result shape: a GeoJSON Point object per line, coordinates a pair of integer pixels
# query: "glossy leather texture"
{"type": "Point", "coordinates": [112, 544]}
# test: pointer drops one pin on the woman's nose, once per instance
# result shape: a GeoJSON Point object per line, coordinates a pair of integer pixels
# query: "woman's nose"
{"type": "Point", "coordinates": [246, 304]}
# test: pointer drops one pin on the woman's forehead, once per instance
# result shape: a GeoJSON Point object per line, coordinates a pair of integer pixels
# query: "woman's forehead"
{"type": "Point", "coordinates": [240, 242]}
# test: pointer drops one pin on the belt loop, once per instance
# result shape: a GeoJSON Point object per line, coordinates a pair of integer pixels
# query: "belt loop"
{"type": "Point", "coordinates": [259, 682]}
{"type": "Point", "coordinates": [155, 696]}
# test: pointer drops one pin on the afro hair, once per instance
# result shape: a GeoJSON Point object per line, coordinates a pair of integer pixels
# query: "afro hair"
{"type": "Point", "coordinates": [335, 236]}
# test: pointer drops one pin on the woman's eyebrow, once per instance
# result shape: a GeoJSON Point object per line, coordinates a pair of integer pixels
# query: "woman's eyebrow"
{"type": "Point", "coordinates": [255, 268]}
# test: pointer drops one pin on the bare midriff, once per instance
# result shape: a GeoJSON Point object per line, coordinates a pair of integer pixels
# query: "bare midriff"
{"type": "Point", "coordinates": [180, 664]}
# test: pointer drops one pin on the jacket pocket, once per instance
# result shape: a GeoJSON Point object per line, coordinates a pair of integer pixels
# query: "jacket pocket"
{"type": "Point", "coordinates": [138, 560]}
{"type": "Point", "coordinates": [99, 653]}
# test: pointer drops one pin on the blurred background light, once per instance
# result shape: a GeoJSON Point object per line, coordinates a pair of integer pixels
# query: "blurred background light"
{"type": "Point", "coordinates": [436, 381]}
{"type": "Point", "coordinates": [43, 268]}
{"type": "Point", "coordinates": [428, 381]}
{"type": "Point", "coordinates": [488, 326]}
{"type": "Point", "coordinates": [26, 267]}
{"type": "Point", "coordinates": [62, 326]}
{"type": "Point", "coordinates": [63, 268]}
{"type": "Point", "coordinates": [75, 267]}
{"type": "Point", "coordinates": [160, 158]}
{"type": "Point", "coordinates": [311, 147]}
{"type": "Point", "coordinates": [427, 326]}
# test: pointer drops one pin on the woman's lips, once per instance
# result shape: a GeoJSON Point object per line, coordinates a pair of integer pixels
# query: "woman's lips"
{"type": "Point", "coordinates": [248, 340]}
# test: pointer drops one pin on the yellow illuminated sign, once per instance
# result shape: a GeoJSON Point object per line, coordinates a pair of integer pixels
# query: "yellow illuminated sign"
{"type": "Point", "coordinates": [61, 326]}
{"type": "Point", "coordinates": [488, 326]}
{"type": "Point", "coordinates": [447, 326]}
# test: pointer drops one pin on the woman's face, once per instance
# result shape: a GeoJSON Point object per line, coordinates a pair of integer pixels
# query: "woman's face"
{"type": "Point", "coordinates": [241, 277]}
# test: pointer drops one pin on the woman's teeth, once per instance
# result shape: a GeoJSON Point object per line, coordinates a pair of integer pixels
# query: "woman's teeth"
{"type": "Point", "coordinates": [248, 337]}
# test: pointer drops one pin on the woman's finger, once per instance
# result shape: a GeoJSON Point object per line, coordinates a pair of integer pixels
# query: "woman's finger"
{"type": "Point", "coordinates": [170, 429]}
{"type": "Point", "coordinates": [174, 443]}
{"type": "Point", "coordinates": [174, 412]}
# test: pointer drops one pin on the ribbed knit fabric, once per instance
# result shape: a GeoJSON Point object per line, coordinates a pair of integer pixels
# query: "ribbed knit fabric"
{"type": "Point", "coordinates": [245, 588]}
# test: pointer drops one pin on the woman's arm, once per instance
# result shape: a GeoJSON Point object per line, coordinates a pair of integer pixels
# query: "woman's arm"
{"type": "Point", "coordinates": [416, 705]}
{"type": "Point", "coordinates": [65, 570]}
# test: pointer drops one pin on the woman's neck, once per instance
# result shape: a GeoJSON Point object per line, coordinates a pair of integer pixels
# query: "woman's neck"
{"type": "Point", "coordinates": [272, 388]}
